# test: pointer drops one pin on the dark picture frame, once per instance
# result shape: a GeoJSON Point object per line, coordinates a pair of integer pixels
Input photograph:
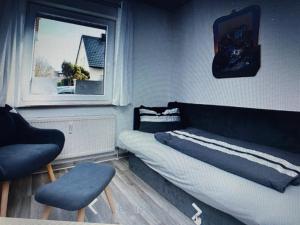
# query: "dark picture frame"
{"type": "Point", "coordinates": [236, 47]}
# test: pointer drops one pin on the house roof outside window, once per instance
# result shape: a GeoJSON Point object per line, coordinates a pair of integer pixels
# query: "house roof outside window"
{"type": "Point", "coordinates": [95, 50]}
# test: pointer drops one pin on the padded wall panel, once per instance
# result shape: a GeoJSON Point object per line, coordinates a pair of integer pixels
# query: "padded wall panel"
{"type": "Point", "coordinates": [267, 127]}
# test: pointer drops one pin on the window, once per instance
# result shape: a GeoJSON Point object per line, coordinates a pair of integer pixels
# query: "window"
{"type": "Point", "coordinates": [68, 58]}
{"type": "Point", "coordinates": [71, 58]}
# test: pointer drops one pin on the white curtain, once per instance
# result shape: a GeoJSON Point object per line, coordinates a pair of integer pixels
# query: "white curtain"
{"type": "Point", "coordinates": [122, 85]}
{"type": "Point", "coordinates": [12, 15]}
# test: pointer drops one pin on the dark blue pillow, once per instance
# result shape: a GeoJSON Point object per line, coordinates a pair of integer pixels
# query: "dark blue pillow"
{"type": "Point", "coordinates": [7, 126]}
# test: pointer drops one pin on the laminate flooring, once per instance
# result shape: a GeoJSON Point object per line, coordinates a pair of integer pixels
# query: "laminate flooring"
{"type": "Point", "coordinates": [136, 202]}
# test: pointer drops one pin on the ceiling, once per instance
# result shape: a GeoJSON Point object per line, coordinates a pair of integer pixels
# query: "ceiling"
{"type": "Point", "coordinates": [167, 4]}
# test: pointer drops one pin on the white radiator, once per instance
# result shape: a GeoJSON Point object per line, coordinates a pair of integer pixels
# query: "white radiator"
{"type": "Point", "coordinates": [85, 135]}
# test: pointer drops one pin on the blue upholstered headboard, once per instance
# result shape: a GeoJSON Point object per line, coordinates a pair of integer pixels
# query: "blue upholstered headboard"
{"type": "Point", "coordinates": [274, 128]}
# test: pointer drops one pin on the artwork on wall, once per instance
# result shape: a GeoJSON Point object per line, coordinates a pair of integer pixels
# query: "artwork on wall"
{"type": "Point", "coordinates": [237, 51]}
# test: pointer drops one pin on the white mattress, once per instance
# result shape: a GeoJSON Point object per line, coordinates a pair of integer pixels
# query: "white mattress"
{"type": "Point", "coordinates": [251, 203]}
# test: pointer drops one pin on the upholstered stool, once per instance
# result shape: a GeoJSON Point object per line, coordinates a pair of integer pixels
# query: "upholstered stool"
{"type": "Point", "coordinates": [77, 189]}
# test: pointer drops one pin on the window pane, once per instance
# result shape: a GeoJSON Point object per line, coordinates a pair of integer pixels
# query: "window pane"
{"type": "Point", "coordinates": [68, 58]}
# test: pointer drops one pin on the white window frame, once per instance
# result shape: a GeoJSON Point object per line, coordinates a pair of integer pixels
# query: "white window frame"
{"type": "Point", "coordinates": [26, 98]}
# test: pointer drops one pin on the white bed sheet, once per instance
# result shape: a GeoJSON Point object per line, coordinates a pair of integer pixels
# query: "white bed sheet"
{"type": "Point", "coordinates": [251, 203]}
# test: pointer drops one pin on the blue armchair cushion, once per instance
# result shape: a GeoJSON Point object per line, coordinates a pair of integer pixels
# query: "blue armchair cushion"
{"type": "Point", "coordinates": [77, 188]}
{"type": "Point", "coordinates": [20, 160]}
{"type": "Point", "coordinates": [8, 126]}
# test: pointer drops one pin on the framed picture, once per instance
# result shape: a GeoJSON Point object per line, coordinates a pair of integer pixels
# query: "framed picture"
{"type": "Point", "coordinates": [237, 51]}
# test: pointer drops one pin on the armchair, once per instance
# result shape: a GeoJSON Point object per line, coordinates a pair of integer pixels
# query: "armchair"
{"type": "Point", "coordinates": [24, 150]}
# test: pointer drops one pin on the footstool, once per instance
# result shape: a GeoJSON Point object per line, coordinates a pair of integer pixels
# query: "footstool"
{"type": "Point", "coordinates": [77, 189]}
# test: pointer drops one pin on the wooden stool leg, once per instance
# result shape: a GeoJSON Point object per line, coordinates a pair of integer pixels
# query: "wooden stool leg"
{"type": "Point", "coordinates": [110, 199]}
{"type": "Point", "coordinates": [50, 172]}
{"type": "Point", "coordinates": [4, 198]}
{"type": "Point", "coordinates": [81, 215]}
{"type": "Point", "coordinates": [46, 212]}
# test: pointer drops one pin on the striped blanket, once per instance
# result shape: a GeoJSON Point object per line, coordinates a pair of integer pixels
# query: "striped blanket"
{"type": "Point", "coordinates": [268, 166]}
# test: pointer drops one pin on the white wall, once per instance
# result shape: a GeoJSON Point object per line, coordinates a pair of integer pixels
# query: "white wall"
{"type": "Point", "coordinates": [152, 56]}
{"type": "Point", "coordinates": [276, 85]}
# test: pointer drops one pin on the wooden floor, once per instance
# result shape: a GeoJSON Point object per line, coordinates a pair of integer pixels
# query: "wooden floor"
{"type": "Point", "coordinates": [136, 202]}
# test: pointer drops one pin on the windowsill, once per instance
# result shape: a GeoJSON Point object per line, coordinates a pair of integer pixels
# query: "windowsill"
{"type": "Point", "coordinates": [77, 104]}
{"type": "Point", "coordinates": [74, 100]}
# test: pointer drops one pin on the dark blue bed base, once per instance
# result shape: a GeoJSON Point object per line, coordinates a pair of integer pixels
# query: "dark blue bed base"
{"type": "Point", "coordinates": [179, 198]}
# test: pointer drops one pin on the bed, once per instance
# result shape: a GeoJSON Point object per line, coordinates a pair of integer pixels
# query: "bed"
{"type": "Point", "coordinates": [225, 198]}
